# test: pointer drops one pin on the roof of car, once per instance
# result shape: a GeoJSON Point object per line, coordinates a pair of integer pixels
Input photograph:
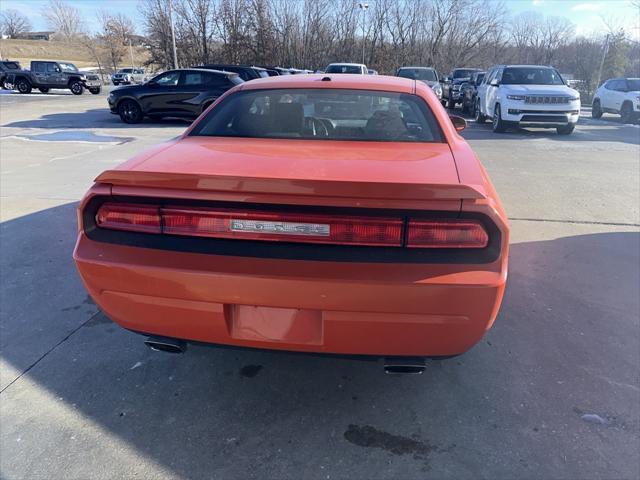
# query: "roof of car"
{"type": "Point", "coordinates": [416, 67]}
{"type": "Point", "coordinates": [337, 80]}
{"type": "Point", "coordinates": [348, 64]}
{"type": "Point", "coordinates": [212, 70]}
{"type": "Point", "coordinates": [523, 66]}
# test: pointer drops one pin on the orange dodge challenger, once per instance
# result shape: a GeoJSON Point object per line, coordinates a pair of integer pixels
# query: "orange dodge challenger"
{"type": "Point", "coordinates": [336, 214]}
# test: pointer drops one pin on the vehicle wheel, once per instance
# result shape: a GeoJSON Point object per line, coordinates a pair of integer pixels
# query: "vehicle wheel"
{"type": "Point", "coordinates": [596, 110]}
{"type": "Point", "coordinates": [95, 90]}
{"type": "Point", "coordinates": [477, 113]}
{"type": "Point", "coordinates": [566, 129]}
{"type": "Point", "coordinates": [451, 103]}
{"type": "Point", "coordinates": [44, 90]}
{"type": "Point", "coordinates": [626, 113]}
{"type": "Point", "coordinates": [23, 86]}
{"type": "Point", "coordinates": [76, 87]}
{"type": "Point", "coordinates": [4, 85]}
{"type": "Point", "coordinates": [115, 84]}
{"type": "Point", "coordinates": [498, 124]}
{"type": "Point", "coordinates": [130, 111]}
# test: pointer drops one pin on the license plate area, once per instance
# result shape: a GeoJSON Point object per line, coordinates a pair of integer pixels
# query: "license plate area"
{"type": "Point", "coordinates": [276, 325]}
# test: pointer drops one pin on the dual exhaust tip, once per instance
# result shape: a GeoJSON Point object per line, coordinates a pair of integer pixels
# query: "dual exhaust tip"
{"type": "Point", "coordinates": [392, 366]}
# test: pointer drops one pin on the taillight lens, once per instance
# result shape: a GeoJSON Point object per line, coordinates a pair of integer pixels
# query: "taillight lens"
{"type": "Point", "coordinates": [133, 218]}
{"type": "Point", "coordinates": [292, 227]}
{"type": "Point", "coordinates": [446, 234]}
{"type": "Point", "coordinates": [284, 227]}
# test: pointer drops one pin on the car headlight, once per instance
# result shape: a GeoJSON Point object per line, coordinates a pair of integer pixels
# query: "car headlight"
{"type": "Point", "coordinates": [575, 98]}
{"type": "Point", "coordinates": [83, 77]}
{"type": "Point", "coordinates": [515, 97]}
{"type": "Point", "coordinates": [437, 89]}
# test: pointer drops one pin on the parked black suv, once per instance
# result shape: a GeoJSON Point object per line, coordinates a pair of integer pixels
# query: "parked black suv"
{"type": "Point", "coordinates": [451, 84]}
{"type": "Point", "coordinates": [45, 74]}
{"type": "Point", "coordinates": [6, 67]}
{"type": "Point", "coordinates": [245, 72]}
{"type": "Point", "coordinates": [469, 91]}
{"type": "Point", "coordinates": [184, 93]}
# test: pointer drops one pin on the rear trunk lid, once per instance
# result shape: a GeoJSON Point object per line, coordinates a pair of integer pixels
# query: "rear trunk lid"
{"type": "Point", "coordinates": [358, 170]}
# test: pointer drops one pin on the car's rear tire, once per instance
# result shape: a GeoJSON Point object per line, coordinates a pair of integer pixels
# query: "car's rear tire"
{"type": "Point", "coordinates": [130, 111]}
{"type": "Point", "coordinates": [566, 129]}
{"type": "Point", "coordinates": [23, 85]}
{"type": "Point", "coordinates": [477, 113]}
{"type": "Point", "coordinates": [596, 109]}
{"type": "Point", "coordinates": [76, 87]}
{"type": "Point", "coordinates": [498, 125]}
{"type": "Point", "coordinates": [95, 90]}
{"type": "Point", "coordinates": [44, 90]}
{"type": "Point", "coordinates": [626, 112]}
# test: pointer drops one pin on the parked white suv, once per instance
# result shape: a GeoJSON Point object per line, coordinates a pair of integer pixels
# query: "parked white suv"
{"type": "Point", "coordinates": [127, 76]}
{"type": "Point", "coordinates": [618, 95]}
{"type": "Point", "coordinates": [527, 96]}
{"type": "Point", "coordinates": [357, 68]}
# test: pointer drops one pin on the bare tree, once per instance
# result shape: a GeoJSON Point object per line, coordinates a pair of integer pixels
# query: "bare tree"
{"type": "Point", "coordinates": [115, 34]}
{"type": "Point", "coordinates": [64, 19]}
{"type": "Point", "coordinates": [13, 23]}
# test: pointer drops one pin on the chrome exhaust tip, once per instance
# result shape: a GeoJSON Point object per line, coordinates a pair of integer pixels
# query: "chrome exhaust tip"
{"type": "Point", "coordinates": [167, 345]}
{"type": "Point", "coordinates": [404, 366]}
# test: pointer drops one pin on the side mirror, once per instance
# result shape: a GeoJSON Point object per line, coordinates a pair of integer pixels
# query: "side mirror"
{"type": "Point", "coordinates": [495, 83]}
{"type": "Point", "coordinates": [459, 123]}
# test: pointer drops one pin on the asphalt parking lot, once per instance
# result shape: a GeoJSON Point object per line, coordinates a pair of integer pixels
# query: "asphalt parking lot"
{"type": "Point", "coordinates": [553, 391]}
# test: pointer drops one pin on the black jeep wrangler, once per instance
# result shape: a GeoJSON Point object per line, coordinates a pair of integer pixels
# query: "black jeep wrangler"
{"type": "Point", "coordinates": [45, 75]}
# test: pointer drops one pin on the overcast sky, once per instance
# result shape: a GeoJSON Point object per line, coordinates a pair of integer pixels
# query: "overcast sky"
{"type": "Point", "coordinates": [587, 16]}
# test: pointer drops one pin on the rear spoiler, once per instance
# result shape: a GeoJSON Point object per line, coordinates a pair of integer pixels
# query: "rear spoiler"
{"type": "Point", "coordinates": [281, 186]}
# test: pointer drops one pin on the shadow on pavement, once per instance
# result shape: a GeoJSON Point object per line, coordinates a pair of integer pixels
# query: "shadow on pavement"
{"type": "Point", "coordinates": [565, 345]}
{"type": "Point", "coordinates": [94, 118]}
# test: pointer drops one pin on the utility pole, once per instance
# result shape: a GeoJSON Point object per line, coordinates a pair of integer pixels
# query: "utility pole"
{"type": "Point", "coordinates": [131, 53]}
{"type": "Point", "coordinates": [363, 6]}
{"type": "Point", "coordinates": [605, 50]}
{"type": "Point", "coordinates": [173, 36]}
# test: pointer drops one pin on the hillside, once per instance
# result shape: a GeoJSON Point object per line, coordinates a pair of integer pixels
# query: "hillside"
{"type": "Point", "coordinates": [26, 50]}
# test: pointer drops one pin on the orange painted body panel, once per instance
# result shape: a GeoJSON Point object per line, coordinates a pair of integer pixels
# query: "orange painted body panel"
{"type": "Point", "coordinates": [413, 309]}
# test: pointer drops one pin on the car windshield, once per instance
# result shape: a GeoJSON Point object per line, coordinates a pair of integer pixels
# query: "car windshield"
{"type": "Point", "coordinates": [425, 74]}
{"type": "Point", "coordinates": [68, 67]}
{"type": "Point", "coordinates": [263, 73]}
{"type": "Point", "coordinates": [633, 84]}
{"type": "Point", "coordinates": [531, 76]}
{"type": "Point", "coordinates": [479, 78]}
{"type": "Point", "coordinates": [343, 69]}
{"type": "Point", "coordinates": [463, 73]}
{"type": "Point", "coordinates": [322, 114]}
{"type": "Point", "coordinates": [11, 65]}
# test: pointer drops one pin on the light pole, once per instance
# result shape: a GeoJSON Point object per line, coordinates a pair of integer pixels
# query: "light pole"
{"type": "Point", "coordinates": [363, 6]}
{"type": "Point", "coordinates": [173, 37]}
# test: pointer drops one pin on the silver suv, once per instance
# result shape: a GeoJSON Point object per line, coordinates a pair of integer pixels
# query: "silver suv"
{"type": "Point", "coordinates": [127, 76]}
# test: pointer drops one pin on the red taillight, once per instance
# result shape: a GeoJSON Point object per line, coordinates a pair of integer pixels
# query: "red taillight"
{"type": "Point", "coordinates": [283, 227]}
{"type": "Point", "coordinates": [446, 234]}
{"type": "Point", "coordinates": [134, 218]}
{"type": "Point", "coordinates": [292, 227]}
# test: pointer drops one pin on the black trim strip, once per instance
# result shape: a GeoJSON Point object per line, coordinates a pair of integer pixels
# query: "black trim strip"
{"type": "Point", "coordinates": [290, 250]}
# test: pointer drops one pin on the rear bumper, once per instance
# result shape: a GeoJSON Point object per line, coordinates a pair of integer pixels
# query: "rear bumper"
{"type": "Point", "coordinates": [307, 306]}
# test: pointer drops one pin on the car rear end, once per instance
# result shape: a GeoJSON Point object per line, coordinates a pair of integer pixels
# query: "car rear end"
{"type": "Point", "coordinates": [377, 249]}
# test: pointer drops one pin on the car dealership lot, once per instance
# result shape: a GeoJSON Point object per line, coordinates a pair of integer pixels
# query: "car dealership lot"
{"type": "Point", "coordinates": [551, 392]}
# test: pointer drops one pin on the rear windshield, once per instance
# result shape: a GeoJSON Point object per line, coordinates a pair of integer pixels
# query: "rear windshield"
{"type": "Point", "coordinates": [531, 76]}
{"type": "Point", "coordinates": [418, 74]}
{"type": "Point", "coordinates": [322, 114]}
{"type": "Point", "coordinates": [11, 65]}
{"type": "Point", "coordinates": [343, 69]}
